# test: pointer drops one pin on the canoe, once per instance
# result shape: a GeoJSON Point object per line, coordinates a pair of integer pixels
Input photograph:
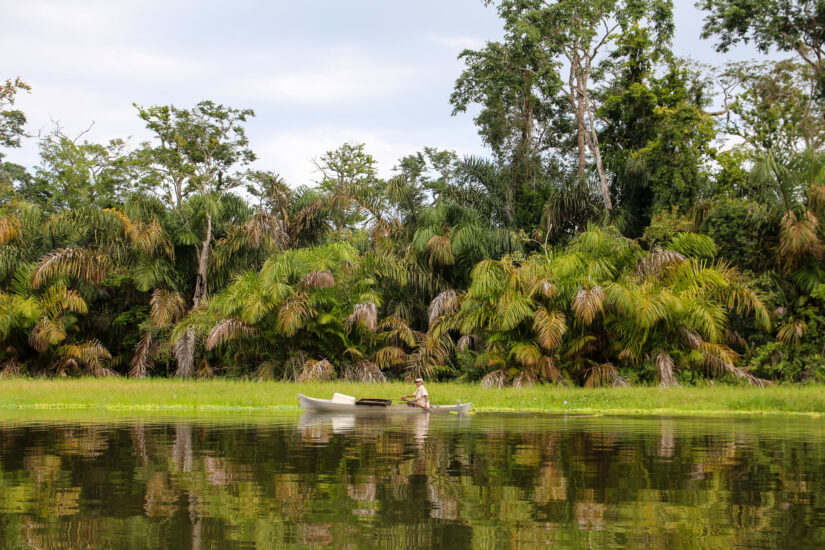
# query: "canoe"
{"type": "Point", "coordinates": [346, 404]}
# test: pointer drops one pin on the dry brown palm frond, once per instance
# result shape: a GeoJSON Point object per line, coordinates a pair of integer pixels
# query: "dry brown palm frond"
{"type": "Point", "coordinates": [316, 371]}
{"type": "Point", "coordinates": [441, 251]}
{"type": "Point", "coordinates": [692, 338]}
{"type": "Point", "coordinates": [722, 360]}
{"type": "Point", "coordinates": [264, 228]}
{"type": "Point", "coordinates": [587, 303]}
{"type": "Point", "coordinates": [798, 237]}
{"type": "Point", "coordinates": [92, 354]}
{"type": "Point", "coordinates": [143, 359]}
{"type": "Point", "coordinates": [389, 357]}
{"type": "Point", "coordinates": [549, 328]}
{"type": "Point", "coordinates": [228, 329]}
{"type": "Point", "coordinates": [548, 370]}
{"type": "Point", "coordinates": [601, 375]}
{"type": "Point", "coordinates": [733, 338]}
{"type": "Point", "coordinates": [149, 238]}
{"type": "Point", "coordinates": [495, 379]}
{"type": "Point", "coordinates": [365, 315]}
{"type": "Point", "coordinates": [80, 263]}
{"type": "Point", "coordinates": [318, 279]}
{"type": "Point", "coordinates": [543, 287]}
{"type": "Point", "coordinates": [365, 372]}
{"type": "Point", "coordinates": [167, 307]}
{"type": "Point", "coordinates": [445, 302]}
{"type": "Point", "coordinates": [184, 351]}
{"type": "Point", "coordinates": [525, 378]}
{"type": "Point", "coordinates": [657, 261]}
{"type": "Point", "coordinates": [467, 341]}
{"type": "Point", "coordinates": [11, 229]}
{"type": "Point", "coordinates": [664, 366]}
{"type": "Point", "coordinates": [792, 331]}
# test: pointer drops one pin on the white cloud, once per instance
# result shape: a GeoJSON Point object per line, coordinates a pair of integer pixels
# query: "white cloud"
{"type": "Point", "coordinates": [324, 78]}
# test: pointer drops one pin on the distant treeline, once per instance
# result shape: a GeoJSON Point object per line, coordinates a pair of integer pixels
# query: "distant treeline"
{"type": "Point", "coordinates": [640, 219]}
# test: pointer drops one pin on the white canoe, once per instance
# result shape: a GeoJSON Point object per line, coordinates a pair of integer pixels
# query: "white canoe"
{"type": "Point", "coordinates": [342, 403]}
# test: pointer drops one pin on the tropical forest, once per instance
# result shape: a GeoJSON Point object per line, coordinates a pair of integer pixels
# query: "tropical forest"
{"type": "Point", "coordinates": [639, 219]}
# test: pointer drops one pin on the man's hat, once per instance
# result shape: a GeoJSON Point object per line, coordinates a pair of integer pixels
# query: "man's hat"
{"type": "Point", "coordinates": [419, 380]}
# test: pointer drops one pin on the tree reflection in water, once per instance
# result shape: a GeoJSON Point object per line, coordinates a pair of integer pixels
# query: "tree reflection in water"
{"type": "Point", "coordinates": [485, 481]}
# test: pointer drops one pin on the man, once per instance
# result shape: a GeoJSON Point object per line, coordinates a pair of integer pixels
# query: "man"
{"type": "Point", "coordinates": [421, 396]}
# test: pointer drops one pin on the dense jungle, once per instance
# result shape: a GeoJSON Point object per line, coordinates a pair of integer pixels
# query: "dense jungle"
{"type": "Point", "coordinates": [640, 219]}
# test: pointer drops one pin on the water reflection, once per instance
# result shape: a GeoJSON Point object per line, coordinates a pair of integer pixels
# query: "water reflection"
{"type": "Point", "coordinates": [414, 481]}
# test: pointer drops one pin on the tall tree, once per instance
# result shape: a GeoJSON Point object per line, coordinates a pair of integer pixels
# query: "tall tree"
{"type": "Point", "coordinates": [787, 25]}
{"type": "Point", "coordinates": [581, 33]}
{"type": "Point", "coordinates": [195, 158]}
{"type": "Point", "coordinates": [12, 122]}
{"type": "Point", "coordinates": [516, 83]}
{"type": "Point", "coordinates": [656, 135]}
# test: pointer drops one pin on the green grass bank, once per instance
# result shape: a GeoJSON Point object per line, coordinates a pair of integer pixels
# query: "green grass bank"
{"type": "Point", "coordinates": [165, 395]}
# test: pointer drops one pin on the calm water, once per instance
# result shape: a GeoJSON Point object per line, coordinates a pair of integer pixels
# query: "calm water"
{"type": "Point", "coordinates": [483, 481]}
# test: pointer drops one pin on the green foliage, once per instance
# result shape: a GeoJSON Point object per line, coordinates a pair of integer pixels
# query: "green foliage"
{"type": "Point", "coordinates": [745, 234]}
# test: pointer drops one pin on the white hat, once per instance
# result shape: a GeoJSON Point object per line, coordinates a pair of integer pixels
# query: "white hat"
{"type": "Point", "coordinates": [419, 380]}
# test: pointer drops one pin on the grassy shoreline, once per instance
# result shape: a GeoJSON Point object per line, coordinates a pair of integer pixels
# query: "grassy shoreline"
{"type": "Point", "coordinates": [177, 396]}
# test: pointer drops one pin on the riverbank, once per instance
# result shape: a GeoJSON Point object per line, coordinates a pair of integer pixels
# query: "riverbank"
{"type": "Point", "coordinates": [169, 395]}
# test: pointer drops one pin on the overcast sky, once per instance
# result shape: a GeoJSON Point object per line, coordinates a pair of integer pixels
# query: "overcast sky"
{"type": "Point", "coordinates": [317, 73]}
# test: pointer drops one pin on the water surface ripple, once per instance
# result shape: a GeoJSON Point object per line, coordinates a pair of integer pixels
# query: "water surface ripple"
{"type": "Point", "coordinates": [478, 481]}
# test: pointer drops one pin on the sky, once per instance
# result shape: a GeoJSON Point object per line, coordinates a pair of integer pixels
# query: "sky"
{"type": "Point", "coordinates": [317, 73]}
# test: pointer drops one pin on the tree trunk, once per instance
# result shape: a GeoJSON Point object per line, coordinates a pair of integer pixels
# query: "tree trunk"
{"type": "Point", "coordinates": [594, 148]}
{"type": "Point", "coordinates": [185, 346]}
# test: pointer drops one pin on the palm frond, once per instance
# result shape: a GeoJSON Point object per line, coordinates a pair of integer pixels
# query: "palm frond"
{"type": "Point", "coordinates": [792, 331]}
{"type": "Point", "coordinates": [293, 314]}
{"type": "Point", "coordinates": [316, 371]}
{"type": "Point", "coordinates": [601, 375]}
{"type": "Point", "coordinates": [228, 329]}
{"type": "Point", "coordinates": [587, 303]}
{"type": "Point", "coordinates": [81, 263]}
{"type": "Point", "coordinates": [143, 359]}
{"type": "Point", "coordinates": [525, 379]}
{"type": "Point", "coordinates": [11, 229]}
{"type": "Point", "coordinates": [798, 237]}
{"type": "Point", "coordinates": [389, 357]}
{"type": "Point", "coordinates": [184, 351]}
{"type": "Point", "coordinates": [722, 360]}
{"type": "Point", "coordinates": [549, 328]}
{"type": "Point", "coordinates": [495, 379]}
{"type": "Point", "coordinates": [365, 372]}
{"type": "Point", "coordinates": [166, 307]}
{"type": "Point", "coordinates": [445, 302]}
{"type": "Point", "coordinates": [526, 354]}
{"type": "Point", "coordinates": [513, 308]}
{"type": "Point", "coordinates": [318, 279]}
{"type": "Point", "coordinates": [440, 249]}
{"type": "Point", "coordinates": [365, 315]}
{"type": "Point", "coordinates": [664, 367]}
{"type": "Point", "coordinates": [92, 354]}
{"type": "Point", "coordinates": [694, 245]}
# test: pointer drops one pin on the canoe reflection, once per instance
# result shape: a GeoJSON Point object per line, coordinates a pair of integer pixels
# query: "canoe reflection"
{"type": "Point", "coordinates": [336, 423]}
